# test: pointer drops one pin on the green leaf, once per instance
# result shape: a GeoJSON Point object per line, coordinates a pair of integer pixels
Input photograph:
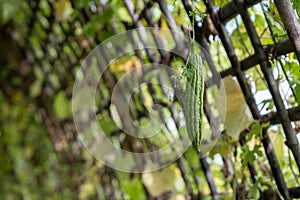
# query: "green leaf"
{"type": "Point", "coordinates": [259, 22]}
{"type": "Point", "coordinates": [90, 28]}
{"type": "Point", "coordinates": [249, 156]}
{"type": "Point", "coordinates": [253, 192]}
{"type": "Point", "coordinates": [8, 9]}
{"type": "Point", "coordinates": [192, 158]}
{"type": "Point", "coordinates": [107, 124]}
{"type": "Point", "coordinates": [123, 15]}
{"type": "Point", "coordinates": [256, 130]}
{"type": "Point", "coordinates": [297, 92]}
{"type": "Point", "coordinates": [133, 188]}
{"type": "Point", "coordinates": [296, 6]}
{"type": "Point", "coordinates": [81, 3]}
{"type": "Point", "coordinates": [120, 11]}
{"type": "Point", "coordinates": [62, 106]}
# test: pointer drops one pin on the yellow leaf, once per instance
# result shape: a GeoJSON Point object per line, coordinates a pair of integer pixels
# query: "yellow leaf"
{"type": "Point", "coordinates": [86, 190]}
{"type": "Point", "coordinates": [62, 9]}
{"type": "Point", "coordinates": [278, 143]}
{"type": "Point", "coordinates": [222, 147]}
{"type": "Point", "coordinates": [238, 115]}
{"type": "Point", "coordinates": [124, 64]}
{"type": "Point", "coordinates": [274, 11]}
{"type": "Point", "coordinates": [159, 182]}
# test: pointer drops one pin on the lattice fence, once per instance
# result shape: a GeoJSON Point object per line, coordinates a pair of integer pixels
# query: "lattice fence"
{"type": "Point", "coordinates": [46, 50]}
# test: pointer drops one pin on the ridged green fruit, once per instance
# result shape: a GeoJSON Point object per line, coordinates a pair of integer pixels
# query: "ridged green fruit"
{"type": "Point", "coordinates": [193, 101]}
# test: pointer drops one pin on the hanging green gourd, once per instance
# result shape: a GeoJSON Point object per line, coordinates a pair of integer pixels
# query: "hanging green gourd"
{"type": "Point", "coordinates": [194, 91]}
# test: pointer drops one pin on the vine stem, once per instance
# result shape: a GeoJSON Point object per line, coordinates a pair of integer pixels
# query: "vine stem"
{"type": "Point", "coordinates": [193, 21]}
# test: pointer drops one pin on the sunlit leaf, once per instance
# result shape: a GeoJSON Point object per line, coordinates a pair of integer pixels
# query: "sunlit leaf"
{"type": "Point", "coordinates": [238, 115]}
{"type": "Point", "coordinates": [161, 181]}
{"type": "Point", "coordinates": [134, 188]}
{"type": "Point", "coordinates": [278, 143]}
{"type": "Point", "coordinates": [62, 9]}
